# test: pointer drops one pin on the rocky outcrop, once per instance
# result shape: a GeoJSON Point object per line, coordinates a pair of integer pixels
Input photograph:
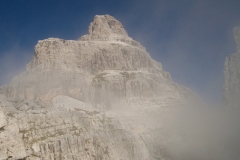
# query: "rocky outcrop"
{"type": "Point", "coordinates": [231, 89]}
{"type": "Point", "coordinates": [67, 129]}
{"type": "Point", "coordinates": [2, 118]}
{"type": "Point", "coordinates": [11, 142]}
{"type": "Point", "coordinates": [114, 87]}
{"type": "Point", "coordinates": [104, 61]}
{"type": "Point", "coordinates": [107, 28]}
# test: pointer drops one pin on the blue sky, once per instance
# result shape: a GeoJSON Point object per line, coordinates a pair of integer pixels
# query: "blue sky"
{"type": "Point", "coordinates": [191, 38]}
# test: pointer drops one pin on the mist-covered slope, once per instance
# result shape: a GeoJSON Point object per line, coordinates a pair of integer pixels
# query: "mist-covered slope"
{"type": "Point", "coordinates": [105, 60]}
{"type": "Point", "coordinates": [99, 97]}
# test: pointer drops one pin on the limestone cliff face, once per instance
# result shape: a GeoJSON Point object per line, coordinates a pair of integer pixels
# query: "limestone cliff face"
{"type": "Point", "coordinates": [231, 92]}
{"type": "Point", "coordinates": [113, 83]}
{"type": "Point", "coordinates": [104, 61]}
{"type": "Point", "coordinates": [65, 130]}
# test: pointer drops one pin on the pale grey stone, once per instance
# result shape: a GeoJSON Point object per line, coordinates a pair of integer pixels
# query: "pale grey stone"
{"type": "Point", "coordinates": [231, 89]}
{"type": "Point", "coordinates": [3, 121]}
{"type": "Point", "coordinates": [86, 99]}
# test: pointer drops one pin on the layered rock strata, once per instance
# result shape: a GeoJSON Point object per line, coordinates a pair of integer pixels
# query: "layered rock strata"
{"type": "Point", "coordinates": [105, 61]}
{"type": "Point", "coordinates": [117, 92]}
{"type": "Point", "coordinates": [68, 129]}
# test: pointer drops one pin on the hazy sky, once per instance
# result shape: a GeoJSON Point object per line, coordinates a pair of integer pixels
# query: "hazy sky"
{"type": "Point", "coordinates": [191, 38]}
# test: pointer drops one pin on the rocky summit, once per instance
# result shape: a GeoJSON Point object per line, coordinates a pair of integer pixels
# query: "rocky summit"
{"type": "Point", "coordinates": [94, 98]}
{"type": "Point", "coordinates": [231, 92]}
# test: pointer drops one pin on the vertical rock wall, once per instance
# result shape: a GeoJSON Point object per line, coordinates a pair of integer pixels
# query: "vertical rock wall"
{"type": "Point", "coordinates": [231, 92]}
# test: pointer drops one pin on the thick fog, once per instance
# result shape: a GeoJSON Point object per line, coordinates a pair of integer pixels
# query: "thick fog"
{"type": "Point", "coordinates": [204, 133]}
{"type": "Point", "coordinates": [13, 62]}
{"type": "Point", "coordinates": [192, 131]}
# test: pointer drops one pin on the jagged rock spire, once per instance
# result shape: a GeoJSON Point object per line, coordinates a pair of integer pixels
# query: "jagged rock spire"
{"type": "Point", "coordinates": [105, 27]}
{"type": "Point", "coordinates": [106, 24]}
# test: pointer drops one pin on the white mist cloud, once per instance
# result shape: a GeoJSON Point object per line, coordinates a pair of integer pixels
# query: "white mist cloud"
{"type": "Point", "coordinates": [13, 62]}
{"type": "Point", "coordinates": [206, 133]}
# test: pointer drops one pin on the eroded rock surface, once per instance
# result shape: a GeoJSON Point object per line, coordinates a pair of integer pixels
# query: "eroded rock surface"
{"type": "Point", "coordinates": [82, 69]}
{"type": "Point", "coordinates": [11, 142]}
{"type": "Point", "coordinates": [98, 97]}
{"type": "Point", "coordinates": [67, 129]}
{"type": "Point", "coordinates": [231, 92]}
{"type": "Point", "coordinates": [3, 121]}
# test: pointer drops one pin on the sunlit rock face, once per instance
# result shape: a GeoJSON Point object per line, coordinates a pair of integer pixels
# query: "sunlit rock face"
{"type": "Point", "coordinates": [2, 118]}
{"type": "Point", "coordinates": [66, 129]}
{"type": "Point", "coordinates": [11, 142]}
{"type": "Point", "coordinates": [231, 92]}
{"type": "Point", "coordinates": [99, 97]}
{"type": "Point", "coordinates": [104, 61]}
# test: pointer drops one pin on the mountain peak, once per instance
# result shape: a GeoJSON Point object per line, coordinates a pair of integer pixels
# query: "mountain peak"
{"type": "Point", "coordinates": [104, 61]}
{"type": "Point", "coordinates": [105, 27]}
{"type": "Point", "coordinates": [106, 24]}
